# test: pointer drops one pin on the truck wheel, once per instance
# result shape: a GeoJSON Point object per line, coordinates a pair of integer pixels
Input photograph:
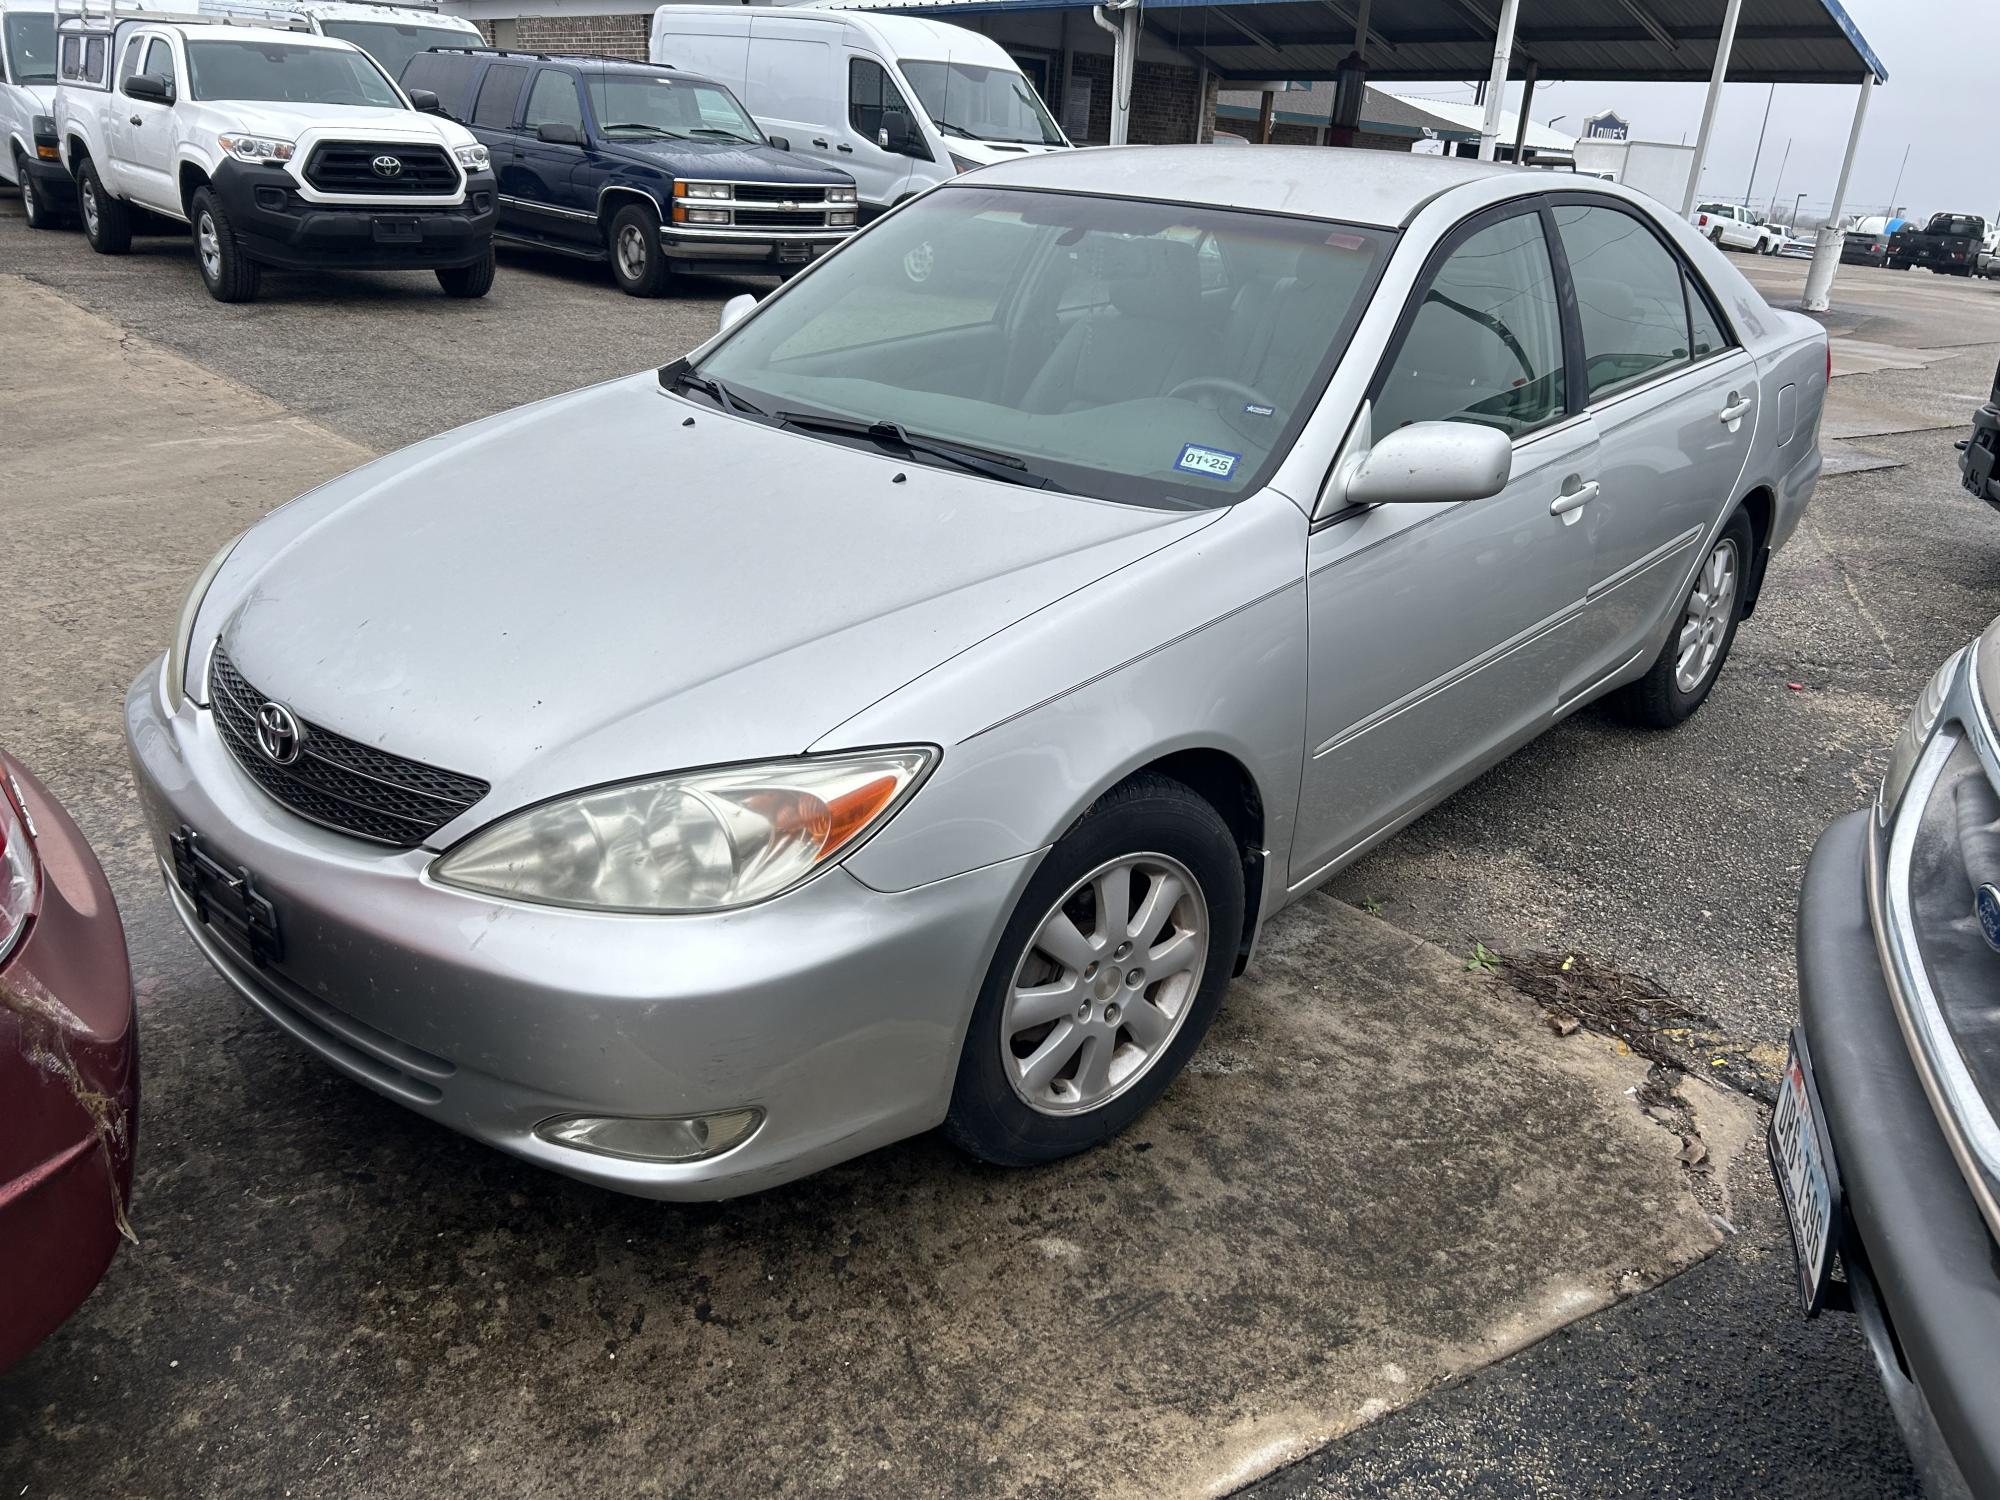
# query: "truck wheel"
{"type": "Point", "coordinates": [1715, 236]}
{"type": "Point", "coordinates": [33, 206]}
{"type": "Point", "coordinates": [229, 274]}
{"type": "Point", "coordinates": [636, 257]}
{"type": "Point", "coordinates": [107, 223]}
{"type": "Point", "coordinates": [475, 280]}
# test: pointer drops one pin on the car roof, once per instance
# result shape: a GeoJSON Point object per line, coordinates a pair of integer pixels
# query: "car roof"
{"type": "Point", "coordinates": [1380, 188]}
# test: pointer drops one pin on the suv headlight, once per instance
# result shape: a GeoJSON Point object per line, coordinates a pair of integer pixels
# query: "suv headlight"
{"type": "Point", "coordinates": [255, 148]}
{"type": "Point", "coordinates": [702, 841]}
{"type": "Point", "coordinates": [702, 190]}
{"type": "Point", "coordinates": [843, 195]}
{"type": "Point", "coordinates": [474, 158]}
{"type": "Point", "coordinates": [1916, 733]}
{"type": "Point", "coordinates": [177, 653]}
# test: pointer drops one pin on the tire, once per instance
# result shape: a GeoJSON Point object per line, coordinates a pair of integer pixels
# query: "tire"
{"type": "Point", "coordinates": [1154, 830]}
{"type": "Point", "coordinates": [229, 274]}
{"type": "Point", "coordinates": [107, 222]}
{"type": "Point", "coordinates": [1667, 695]}
{"type": "Point", "coordinates": [1715, 237]}
{"type": "Point", "coordinates": [475, 280]}
{"type": "Point", "coordinates": [33, 205]}
{"type": "Point", "coordinates": [637, 259]}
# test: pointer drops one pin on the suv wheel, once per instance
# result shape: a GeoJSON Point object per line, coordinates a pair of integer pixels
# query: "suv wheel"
{"type": "Point", "coordinates": [475, 280]}
{"type": "Point", "coordinates": [107, 223]}
{"type": "Point", "coordinates": [229, 274]}
{"type": "Point", "coordinates": [636, 257]}
{"type": "Point", "coordinates": [1105, 980]}
{"type": "Point", "coordinates": [1680, 678]}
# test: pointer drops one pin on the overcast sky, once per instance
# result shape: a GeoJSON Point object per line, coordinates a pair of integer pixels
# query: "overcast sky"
{"type": "Point", "coordinates": [1941, 101]}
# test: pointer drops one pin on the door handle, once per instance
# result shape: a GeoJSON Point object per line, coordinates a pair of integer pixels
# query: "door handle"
{"type": "Point", "coordinates": [822, 144]}
{"type": "Point", "coordinates": [1575, 499]}
{"type": "Point", "coordinates": [135, 120]}
{"type": "Point", "coordinates": [843, 146]}
{"type": "Point", "coordinates": [1738, 406]}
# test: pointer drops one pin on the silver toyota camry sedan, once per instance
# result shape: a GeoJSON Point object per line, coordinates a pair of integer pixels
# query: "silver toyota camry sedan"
{"type": "Point", "coordinates": [907, 709]}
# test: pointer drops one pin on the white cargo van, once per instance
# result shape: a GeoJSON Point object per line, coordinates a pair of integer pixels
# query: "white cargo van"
{"type": "Point", "coordinates": [391, 34]}
{"type": "Point", "coordinates": [897, 101]}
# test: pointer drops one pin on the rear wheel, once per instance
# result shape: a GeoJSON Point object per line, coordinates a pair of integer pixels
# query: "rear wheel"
{"type": "Point", "coordinates": [475, 280]}
{"type": "Point", "coordinates": [107, 223]}
{"type": "Point", "coordinates": [636, 257]}
{"type": "Point", "coordinates": [1105, 980]}
{"type": "Point", "coordinates": [1680, 678]}
{"type": "Point", "coordinates": [229, 274]}
{"type": "Point", "coordinates": [1715, 236]}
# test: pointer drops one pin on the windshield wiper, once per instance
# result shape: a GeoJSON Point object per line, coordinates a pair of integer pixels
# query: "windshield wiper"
{"type": "Point", "coordinates": [681, 376]}
{"type": "Point", "coordinates": [638, 125]}
{"type": "Point", "coordinates": [892, 435]}
{"type": "Point", "coordinates": [727, 135]}
{"type": "Point", "coordinates": [946, 127]}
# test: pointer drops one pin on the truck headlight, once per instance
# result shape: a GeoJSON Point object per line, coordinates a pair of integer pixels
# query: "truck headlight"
{"type": "Point", "coordinates": [177, 653]}
{"type": "Point", "coordinates": [701, 190]}
{"type": "Point", "coordinates": [1915, 734]}
{"type": "Point", "coordinates": [255, 148]}
{"type": "Point", "coordinates": [702, 841]}
{"type": "Point", "coordinates": [843, 195]}
{"type": "Point", "coordinates": [474, 158]}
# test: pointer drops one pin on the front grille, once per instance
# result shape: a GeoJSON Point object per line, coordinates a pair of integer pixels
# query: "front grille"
{"type": "Point", "coordinates": [339, 782]}
{"type": "Point", "coordinates": [349, 167]}
{"type": "Point", "coordinates": [766, 192]}
{"type": "Point", "coordinates": [779, 218]}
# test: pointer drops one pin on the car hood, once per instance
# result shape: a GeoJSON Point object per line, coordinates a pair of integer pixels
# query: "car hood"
{"type": "Point", "coordinates": [287, 121]}
{"type": "Point", "coordinates": [724, 159]}
{"type": "Point", "coordinates": [620, 582]}
{"type": "Point", "coordinates": [43, 96]}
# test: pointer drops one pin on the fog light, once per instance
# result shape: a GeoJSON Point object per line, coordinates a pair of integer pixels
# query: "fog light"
{"type": "Point", "coordinates": [839, 220]}
{"type": "Point", "coordinates": [706, 216]}
{"type": "Point", "coordinates": [663, 1140]}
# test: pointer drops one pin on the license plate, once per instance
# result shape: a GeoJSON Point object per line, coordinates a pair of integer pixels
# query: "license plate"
{"type": "Point", "coordinates": [225, 897]}
{"type": "Point", "coordinates": [397, 232]}
{"type": "Point", "coordinates": [793, 255]}
{"type": "Point", "coordinates": [1802, 1161]}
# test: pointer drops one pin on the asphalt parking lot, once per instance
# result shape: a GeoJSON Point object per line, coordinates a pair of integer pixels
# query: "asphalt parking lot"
{"type": "Point", "coordinates": [329, 1293]}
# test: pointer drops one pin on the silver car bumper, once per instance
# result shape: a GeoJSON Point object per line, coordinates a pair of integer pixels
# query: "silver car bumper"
{"type": "Point", "coordinates": [837, 1010]}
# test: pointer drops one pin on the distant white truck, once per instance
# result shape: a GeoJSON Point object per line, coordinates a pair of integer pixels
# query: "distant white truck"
{"type": "Point", "coordinates": [1737, 228]}
{"type": "Point", "coordinates": [1656, 168]}
{"type": "Point", "coordinates": [278, 147]}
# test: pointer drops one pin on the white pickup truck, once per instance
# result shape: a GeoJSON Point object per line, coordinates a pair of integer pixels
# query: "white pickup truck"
{"type": "Point", "coordinates": [277, 146]}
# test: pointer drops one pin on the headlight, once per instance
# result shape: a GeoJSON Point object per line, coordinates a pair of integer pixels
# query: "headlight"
{"type": "Point", "coordinates": [703, 215]}
{"type": "Point", "coordinates": [474, 158]}
{"type": "Point", "coordinates": [962, 164]}
{"type": "Point", "coordinates": [843, 195]}
{"type": "Point", "coordinates": [702, 841]}
{"type": "Point", "coordinates": [177, 654]}
{"type": "Point", "coordinates": [701, 190]}
{"type": "Point", "coordinates": [1916, 732]}
{"type": "Point", "coordinates": [255, 147]}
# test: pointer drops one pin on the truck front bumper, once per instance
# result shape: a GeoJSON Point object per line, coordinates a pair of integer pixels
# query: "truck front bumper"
{"type": "Point", "coordinates": [725, 252]}
{"type": "Point", "coordinates": [278, 227]}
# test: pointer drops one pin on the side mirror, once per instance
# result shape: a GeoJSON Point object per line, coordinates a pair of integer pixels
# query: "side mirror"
{"type": "Point", "coordinates": [783, 143]}
{"type": "Point", "coordinates": [426, 102]}
{"type": "Point", "coordinates": [1431, 462]}
{"type": "Point", "coordinates": [736, 309]}
{"type": "Point", "coordinates": [151, 87]}
{"type": "Point", "coordinates": [898, 134]}
{"type": "Point", "coordinates": [559, 135]}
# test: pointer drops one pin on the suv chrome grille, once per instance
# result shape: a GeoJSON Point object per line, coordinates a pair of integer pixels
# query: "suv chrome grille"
{"type": "Point", "coordinates": [777, 192]}
{"type": "Point", "coordinates": [341, 783]}
{"type": "Point", "coordinates": [349, 167]}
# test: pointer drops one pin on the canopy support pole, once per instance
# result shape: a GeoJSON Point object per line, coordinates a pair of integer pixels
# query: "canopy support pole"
{"type": "Point", "coordinates": [1496, 83]}
{"type": "Point", "coordinates": [1826, 253]}
{"type": "Point", "coordinates": [1124, 51]}
{"type": "Point", "coordinates": [1521, 125]}
{"type": "Point", "coordinates": [1722, 45]}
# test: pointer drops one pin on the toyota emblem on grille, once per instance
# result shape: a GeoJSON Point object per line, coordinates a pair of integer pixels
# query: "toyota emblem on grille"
{"type": "Point", "coordinates": [278, 734]}
{"type": "Point", "coordinates": [387, 166]}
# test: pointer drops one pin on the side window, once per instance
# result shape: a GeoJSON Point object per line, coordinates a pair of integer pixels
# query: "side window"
{"type": "Point", "coordinates": [552, 101]}
{"type": "Point", "coordinates": [160, 61]}
{"type": "Point", "coordinates": [69, 59]}
{"type": "Point", "coordinates": [871, 96]}
{"type": "Point", "coordinates": [444, 75]}
{"type": "Point", "coordinates": [499, 92]}
{"type": "Point", "coordinates": [1708, 335]}
{"type": "Point", "coordinates": [96, 59]}
{"type": "Point", "coordinates": [1486, 342]}
{"type": "Point", "coordinates": [1628, 295]}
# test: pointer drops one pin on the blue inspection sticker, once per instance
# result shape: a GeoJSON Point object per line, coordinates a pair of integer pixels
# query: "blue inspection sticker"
{"type": "Point", "coordinates": [1214, 463]}
{"type": "Point", "coordinates": [1253, 409]}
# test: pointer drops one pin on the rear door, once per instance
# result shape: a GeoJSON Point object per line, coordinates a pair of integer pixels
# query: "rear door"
{"type": "Point", "coordinates": [495, 119]}
{"type": "Point", "coordinates": [790, 84]}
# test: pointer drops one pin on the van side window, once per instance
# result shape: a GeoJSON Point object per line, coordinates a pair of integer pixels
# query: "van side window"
{"type": "Point", "coordinates": [871, 96]}
{"type": "Point", "coordinates": [160, 60]}
{"type": "Point", "coordinates": [499, 92]}
{"type": "Point", "coordinates": [1628, 296]}
{"type": "Point", "coordinates": [553, 101]}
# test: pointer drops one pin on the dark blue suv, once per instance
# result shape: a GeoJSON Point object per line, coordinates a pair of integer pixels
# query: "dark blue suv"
{"type": "Point", "coordinates": [653, 169]}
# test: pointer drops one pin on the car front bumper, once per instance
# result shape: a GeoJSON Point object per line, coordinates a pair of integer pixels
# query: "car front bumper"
{"type": "Point", "coordinates": [721, 252]}
{"type": "Point", "coordinates": [278, 227]}
{"type": "Point", "coordinates": [836, 1010]}
{"type": "Point", "coordinates": [1924, 1267]}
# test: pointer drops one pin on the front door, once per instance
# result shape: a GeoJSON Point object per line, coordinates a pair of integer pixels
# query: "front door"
{"type": "Point", "coordinates": [545, 187]}
{"type": "Point", "coordinates": [149, 149]}
{"type": "Point", "coordinates": [876, 104]}
{"type": "Point", "coordinates": [1440, 634]}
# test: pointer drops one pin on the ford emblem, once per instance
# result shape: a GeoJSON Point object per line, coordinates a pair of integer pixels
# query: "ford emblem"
{"type": "Point", "coordinates": [1987, 906]}
{"type": "Point", "coordinates": [387, 166]}
{"type": "Point", "coordinates": [278, 734]}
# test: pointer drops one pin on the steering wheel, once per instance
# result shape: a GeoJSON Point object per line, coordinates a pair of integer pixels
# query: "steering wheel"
{"type": "Point", "coordinates": [1222, 385]}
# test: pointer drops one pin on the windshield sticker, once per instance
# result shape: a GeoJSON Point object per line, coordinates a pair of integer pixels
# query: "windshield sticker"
{"type": "Point", "coordinates": [1251, 408]}
{"type": "Point", "coordinates": [1216, 463]}
{"type": "Point", "coordinates": [1346, 241]}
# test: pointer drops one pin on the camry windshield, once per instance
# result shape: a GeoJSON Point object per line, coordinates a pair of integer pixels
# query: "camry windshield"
{"type": "Point", "coordinates": [981, 104]}
{"type": "Point", "coordinates": [31, 47]}
{"type": "Point", "coordinates": [394, 43]}
{"type": "Point", "coordinates": [633, 106]}
{"type": "Point", "coordinates": [287, 73]}
{"type": "Point", "coordinates": [1146, 352]}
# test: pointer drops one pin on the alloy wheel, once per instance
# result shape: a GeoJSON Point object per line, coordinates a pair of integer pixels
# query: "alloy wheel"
{"type": "Point", "coordinates": [90, 205]}
{"type": "Point", "coordinates": [1105, 984]}
{"type": "Point", "coordinates": [209, 246]}
{"type": "Point", "coordinates": [1710, 608]}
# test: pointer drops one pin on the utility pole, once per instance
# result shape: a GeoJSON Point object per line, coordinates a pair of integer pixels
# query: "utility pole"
{"type": "Point", "coordinates": [1757, 155]}
{"type": "Point", "coordinates": [1898, 188]}
{"type": "Point", "coordinates": [1783, 162]}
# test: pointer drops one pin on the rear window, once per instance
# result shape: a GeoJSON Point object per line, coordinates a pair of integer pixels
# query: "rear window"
{"type": "Point", "coordinates": [446, 75]}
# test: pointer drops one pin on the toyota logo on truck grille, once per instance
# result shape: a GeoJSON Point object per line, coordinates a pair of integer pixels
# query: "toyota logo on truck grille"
{"type": "Point", "coordinates": [387, 166]}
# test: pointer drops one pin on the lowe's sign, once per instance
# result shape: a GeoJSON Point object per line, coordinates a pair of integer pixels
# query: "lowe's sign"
{"type": "Point", "coordinates": [1606, 127]}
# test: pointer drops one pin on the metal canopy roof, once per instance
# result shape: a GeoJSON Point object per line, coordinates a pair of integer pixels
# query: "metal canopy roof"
{"type": "Point", "coordinates": [1638, 41]}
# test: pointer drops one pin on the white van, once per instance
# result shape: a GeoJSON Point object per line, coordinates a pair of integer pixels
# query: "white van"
{"type": "Point", "coordinates": [29, 160]}
{"type": "Point", "coordinates": [896, 101]}
{"type": "Point", "coordinates": [391, 34]}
